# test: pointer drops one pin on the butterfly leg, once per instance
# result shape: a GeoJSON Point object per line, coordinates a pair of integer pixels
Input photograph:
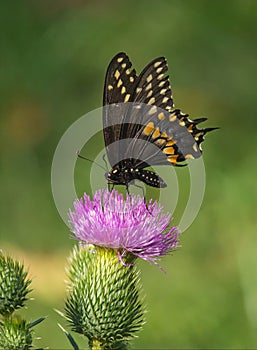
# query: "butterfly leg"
{"type": "Point", "coordinates": [127, 189]}
{"type": "Point", "coordinates": [144, 195]}
{"type": "Point", "coordinates": [110, 186]}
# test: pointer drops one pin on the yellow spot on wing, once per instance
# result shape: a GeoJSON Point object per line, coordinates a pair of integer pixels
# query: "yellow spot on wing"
{"type": "Point", "coordinates": [165, 99]}
{"type": "Point", "coordinates": [163, 91]}
{"type": "Point", "coordinates": [123, 90]}
{"type": "Point", "coordinates": [151, 101]}
{"type": "Point", "coordinates": [148, 87]}
{"type": "Point", "coordinates": [158, 70]}
{"type": "Point", "coordinates": [127, 97]}
{"type": "Point", "coordinates": [149, 78]}
{"type": "Point", "coordinates": [196, 137]}
{"type": "Point", "coordinates": [161, 116]}
{"type": "Point", "coordinates": [150, 93]}
{"type": "Point", "coordinates": [123, 65]}
{"type": "Point", "coordinates": [138, 90]}
{"type": "Point", "coordinates": [172, 117]}
{"type": "Point", "coordinates": [160, 76]}
{"type": "Point", "coordinates": [117, 74]}
{"type": "Point", "coordinates": [131, 79]}
{"type": "Point", "coordinates": [120, 59]}
{"type": "Point", "coordinates": [187, 156]}
{"type": "Point", "coordinates": [190, 128]}
{"type": "Point", "coordinates": [152, 110]}
{"type": "Point", "coordinates": [120, 82]}
{"type": "Point", "coordinates": [161, 83]}
{"type": "Point", "coordinates": [110, 87]}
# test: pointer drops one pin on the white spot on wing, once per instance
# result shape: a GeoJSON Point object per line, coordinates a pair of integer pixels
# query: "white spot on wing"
{"type": "Point", "coordinates": [157, 64]}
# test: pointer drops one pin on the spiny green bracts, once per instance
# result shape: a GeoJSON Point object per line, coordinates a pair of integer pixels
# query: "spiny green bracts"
{"type": "Point", "coordinates": [15, 334]}
{"type": "Point", "coordinates": [13, 285]}
{"type": "Point", "coordinates": [104, 301]}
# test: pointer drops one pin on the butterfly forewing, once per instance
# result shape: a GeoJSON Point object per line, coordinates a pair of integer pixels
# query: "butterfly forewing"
{"type": "Point", "coordinates": [153, 86]}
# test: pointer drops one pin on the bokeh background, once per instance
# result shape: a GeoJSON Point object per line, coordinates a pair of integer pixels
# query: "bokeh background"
{"type": "Point", "coordinates": [53, 59]}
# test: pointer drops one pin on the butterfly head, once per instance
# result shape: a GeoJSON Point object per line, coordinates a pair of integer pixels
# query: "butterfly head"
{"type": "Point", "coordinates": [116, 176]}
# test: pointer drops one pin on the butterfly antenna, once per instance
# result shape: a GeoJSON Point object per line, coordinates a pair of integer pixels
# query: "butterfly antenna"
{"type": "Point", "coordinates": [105, 162]}
{"type": "Point", "coordinates": [90, 160]}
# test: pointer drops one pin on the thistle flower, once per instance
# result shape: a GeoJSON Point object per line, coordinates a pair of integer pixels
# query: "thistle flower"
{"type": "Point", "coordinates": [126, 225]}
{"type": "Point", "coordinates": [104, 301]}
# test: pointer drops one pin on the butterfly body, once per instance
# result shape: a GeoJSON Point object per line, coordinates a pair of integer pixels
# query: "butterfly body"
{"type": "Point", "coordinates": [141, 127]}
{"type": "Point", "coordinates": [126, 171]}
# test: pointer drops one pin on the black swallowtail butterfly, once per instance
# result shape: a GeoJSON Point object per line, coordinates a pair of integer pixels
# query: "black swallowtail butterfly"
{"type": "Point", "coordinates": [140, 125]}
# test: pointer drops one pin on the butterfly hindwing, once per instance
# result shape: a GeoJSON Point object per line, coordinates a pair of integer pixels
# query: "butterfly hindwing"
{"type": "Point", "coordinates": [153, 89]}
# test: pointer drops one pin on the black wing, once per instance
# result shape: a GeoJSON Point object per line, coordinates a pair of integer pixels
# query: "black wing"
{"type": "Point", "coordinates": [119, 85]}
{"type": "Point", "coordinates": [168, 133]}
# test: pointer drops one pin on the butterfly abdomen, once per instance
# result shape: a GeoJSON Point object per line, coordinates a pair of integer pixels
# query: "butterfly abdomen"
{"type": "Point", "coordinates": [150, 178]}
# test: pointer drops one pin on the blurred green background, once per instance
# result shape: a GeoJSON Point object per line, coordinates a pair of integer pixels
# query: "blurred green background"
{"type": "Point", "coordinates": [53, 59]}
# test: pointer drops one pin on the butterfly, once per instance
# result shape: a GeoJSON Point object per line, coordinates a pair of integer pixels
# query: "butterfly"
{"type": "Point", "coordinates": [141, 127]}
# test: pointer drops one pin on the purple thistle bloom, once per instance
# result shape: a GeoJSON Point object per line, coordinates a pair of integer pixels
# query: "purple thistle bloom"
{"type": "Point", "coordinates": [127, 225]}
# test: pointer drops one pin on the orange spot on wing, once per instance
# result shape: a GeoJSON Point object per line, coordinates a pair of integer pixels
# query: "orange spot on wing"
{"type": "Point", "coordinates": [170, 143]}
{"type": "Point", "coordinates": [160, 142]}
{"type": "Point", "coordinates": [156, 133]}
{"type": "Point", "coordinates": [169, 150]}
{"type": "Point", "coordinates": [149, 128]}
{"type": "Point", "coordinates": [173, 159]}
